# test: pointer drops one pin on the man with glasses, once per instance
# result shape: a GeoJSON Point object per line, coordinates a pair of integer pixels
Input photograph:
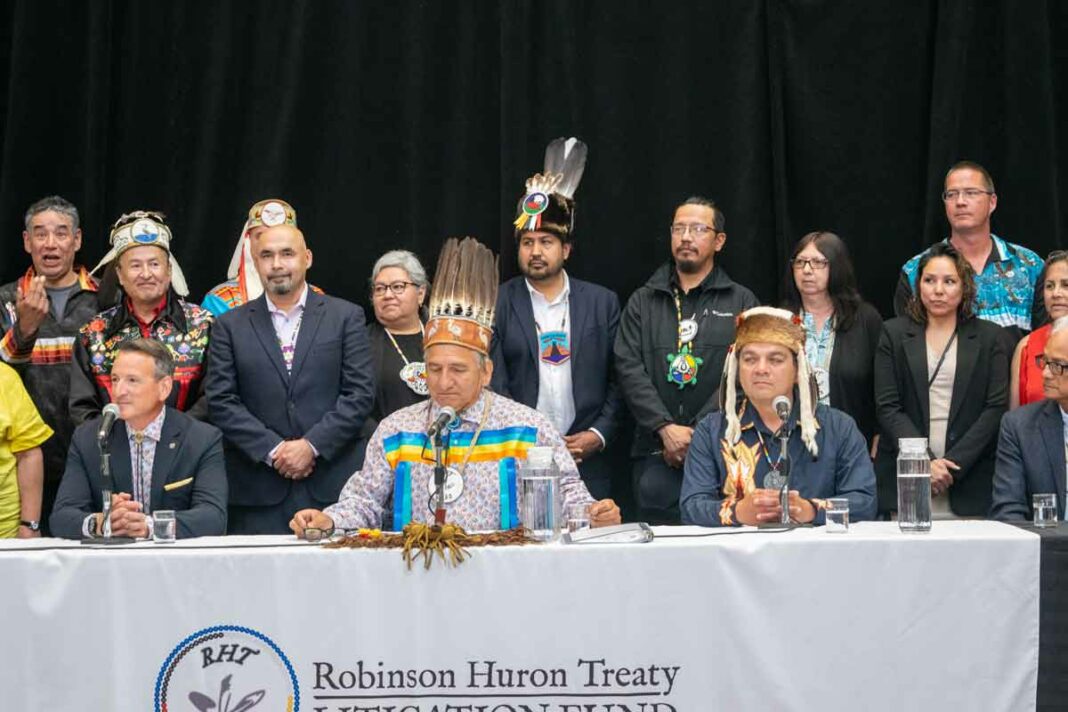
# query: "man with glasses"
{"type": "Point", "coordinates": [40, 314]}
{"type": "Point", "coordinates": [1034, 439]}
{"type": "Point", "coordinates": [1006, 274]}
{"type": "Point", "coordinates": [672, 342]}
{"type": "Point", "coordinates": [290, 385]}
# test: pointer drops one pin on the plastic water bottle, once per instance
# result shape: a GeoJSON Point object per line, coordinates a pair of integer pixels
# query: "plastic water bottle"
{"type": "Point", "coordinates": [540, 498]}
{"type": "Point", "coordinates": [913, 485]}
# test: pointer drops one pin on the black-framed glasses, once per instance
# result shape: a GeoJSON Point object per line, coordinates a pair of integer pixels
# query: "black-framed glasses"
{"type": "Point", "coordinates": [814, 263]}
{"type": "Point", "coordinates": [1057, 368]}
{"type": "Point", "coordinates": [695, 229]}
{"type": "Point", "coordinates": [315, 534]}
{"type": "Point", "coordinates": [969, 194]}
{"type": "Point", "coordinates": [396, 287]}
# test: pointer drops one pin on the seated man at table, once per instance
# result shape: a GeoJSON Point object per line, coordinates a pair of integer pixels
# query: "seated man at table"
{"type": "Point", "coordinates": [1032, 442]}
{"type": "Point", "coordinates": [482, 445]}
{"type": "Point", "coordinates": [726, 476]}
{"type": "Point", "coordinates": [161, 459]}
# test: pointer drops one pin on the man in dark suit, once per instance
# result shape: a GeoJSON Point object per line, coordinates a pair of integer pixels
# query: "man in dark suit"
{"type": "Point", "coordinates": [160, 458]}
{"type": "Point", "coordinates": [290, 384]}
{"type": "Point", "coordinates": [1031, 445]}
{"type": "Point", "coordinates": [552, 344]}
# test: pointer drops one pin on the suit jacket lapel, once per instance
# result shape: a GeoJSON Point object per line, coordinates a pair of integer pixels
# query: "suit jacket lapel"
{"type": "Point", "coordinates": [523, 309]}
{"type": "Point", "coordinates": [170, 442]}
{"type": "Point", "coordinates": [264, 328]}
{"type": "Point", "coordinates": [967, 355]}
{"type": "Point", "coordinates": [121, 468]}
{"type": "Point", "coordinates": [309, 325]}
{"type": "Point", "coordinates": [915, 346]}
{"type": "Point", "coordinates": [1052, 429]}
{"type": "Point", "coordinates": [576, 316]}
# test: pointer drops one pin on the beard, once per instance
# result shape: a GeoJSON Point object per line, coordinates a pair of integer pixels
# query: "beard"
{"type": "Point", "coordinates": [280, 286]}
{"type": "Point", "coordinates": [544, 271]}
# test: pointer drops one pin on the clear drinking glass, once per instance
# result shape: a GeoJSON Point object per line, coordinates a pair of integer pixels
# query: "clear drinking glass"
{"type": "Point", "coordinates": [1045, 506]}
{"type": "Point", "coordinates": [578, 517]}
{"type": "Point", "coordinates": [837, 515]}
{"type": "Point", "coordinates": [164, 526]}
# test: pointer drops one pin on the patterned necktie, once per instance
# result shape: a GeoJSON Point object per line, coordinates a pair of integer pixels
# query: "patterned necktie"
{"type": "Point", "coordinates": [139, 492]}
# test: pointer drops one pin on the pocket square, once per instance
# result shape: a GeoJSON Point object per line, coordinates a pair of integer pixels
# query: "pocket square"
{"type": "Point", "coordinates": [171, 486]}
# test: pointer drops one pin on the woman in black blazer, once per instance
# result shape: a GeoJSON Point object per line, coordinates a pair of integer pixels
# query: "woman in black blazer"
{"type": "Point", "coordinates": [821, 289]}
{"type": "Point", "coordinates": [942, 374]}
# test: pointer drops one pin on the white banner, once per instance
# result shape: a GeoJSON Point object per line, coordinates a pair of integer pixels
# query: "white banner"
{"type": "Point", "coordinates": [803, 620]}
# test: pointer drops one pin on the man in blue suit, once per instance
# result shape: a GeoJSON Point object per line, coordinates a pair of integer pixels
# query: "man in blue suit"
{"type": "Point", "coordinates": [160, 458]}
{"type": "Point", "coordinates": [290, 384]}
{"type": "Point", "coordinates": [1032, 442]}
{"type": "Point", "coordinates": [552, 347]}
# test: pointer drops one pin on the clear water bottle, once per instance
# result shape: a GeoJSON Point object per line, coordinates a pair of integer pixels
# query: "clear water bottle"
{"type": "Point", "coordinates": [540, 498]}
{"type": "Point", "coordinates": [913, 485]}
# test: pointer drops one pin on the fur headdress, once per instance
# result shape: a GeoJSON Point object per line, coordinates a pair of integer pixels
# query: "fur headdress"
{"type": "Point", "coordinates": [464, 296]}
{"type": "Point", "coordinates": [548, 204]}
{"type": "Point", "coordinates": [768, 325]}
{"type": "Point", "coordinates": [144, 227]}
{"type": "Point", "coordinates": [267, 213]}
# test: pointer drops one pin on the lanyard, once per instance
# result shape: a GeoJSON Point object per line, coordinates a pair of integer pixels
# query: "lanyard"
{"type": "Point", "coordinates": [397, 346]}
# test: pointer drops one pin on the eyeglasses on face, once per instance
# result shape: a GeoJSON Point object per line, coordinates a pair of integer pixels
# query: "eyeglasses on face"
{"type": "Point", "coordinates": [814, 263]}
{"type": "Point", "coordinates": [695, 229]}
{"type": "Point", "coordinates": [1057, 368]}
{"type": "Point", "coordinates": [969, 194]}
{"type": "Point", "coordinates": [397, 288]}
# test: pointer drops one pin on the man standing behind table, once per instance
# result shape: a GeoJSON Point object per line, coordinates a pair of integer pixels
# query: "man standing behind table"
{"type": "Point", "coordinates": [672, 342]}
{"type": "Point", "coordinates": [161, 459]}
{"type": "Point", "coordinates": [39, 321]}
{"type": "Point", "coordinates": [483, 443]}
{"type": "Point", "coordinates": [291, 383]}
{"type": "Point", "coordinates": [552, 345]}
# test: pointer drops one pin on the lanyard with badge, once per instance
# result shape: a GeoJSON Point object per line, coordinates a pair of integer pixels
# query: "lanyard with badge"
{"type": "Point", "coordinates": [683, 365]}
{"type": "Point", "coordinates": [555, 346]}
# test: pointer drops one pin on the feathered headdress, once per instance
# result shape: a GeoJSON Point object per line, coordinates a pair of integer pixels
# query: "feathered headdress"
{"type": "Point", "coordinates": [464, 296]}
{"type": "Point", "coordinates": [144, 227]}
{"type": "Point", "coordinates": [768, 325]}
{"type": "Point", "coordinates": [268, 213]}
{"type": "Point", "coordinates": [548, 204]}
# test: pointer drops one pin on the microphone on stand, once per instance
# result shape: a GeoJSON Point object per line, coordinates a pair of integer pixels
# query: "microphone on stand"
{"type": "Point", "coordinates": [446, 416]}
{"type": "Point", "coordinates": [783, 406]}
{"type": "Point", "coordinates": [107, 422]}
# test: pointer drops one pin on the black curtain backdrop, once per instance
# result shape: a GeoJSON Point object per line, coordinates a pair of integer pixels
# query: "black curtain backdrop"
{"type": "Point", "coordinates": [397, 124]}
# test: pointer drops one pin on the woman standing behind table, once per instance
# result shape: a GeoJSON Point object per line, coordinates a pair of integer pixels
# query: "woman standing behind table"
{"type": "Point", "coordinates": [942, 374]}
{"type": "Point", "coordinates": [841, 330]}
{"type": "Point", "coordinates": [398, 289]}
{"type": "Point", "coordinates": [1026, 384]}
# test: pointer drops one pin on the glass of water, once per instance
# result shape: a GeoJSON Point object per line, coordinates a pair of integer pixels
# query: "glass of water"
{"type": "Point", "coordinates": [1045, 506]}
{"type": "Point", "coordinates": [578, 517]}
{"type": "Point", "coordinates": [837, 515]}
{"type": "Point", "coordinates": [164, 526]}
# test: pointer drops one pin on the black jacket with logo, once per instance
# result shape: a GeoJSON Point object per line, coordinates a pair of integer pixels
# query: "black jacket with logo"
{"type": "Point", "coordinates": [648, 337]}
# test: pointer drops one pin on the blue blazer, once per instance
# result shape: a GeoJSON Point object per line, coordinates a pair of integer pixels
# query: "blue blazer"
{"type": "Point", "coordinates": [257, 404]}
{"type": "Point", "coordinates": [594, 319]}
{"type": "Point", "coordinates": [187, 449]}
{"type": "Point", "coordinates": [1030, 460]}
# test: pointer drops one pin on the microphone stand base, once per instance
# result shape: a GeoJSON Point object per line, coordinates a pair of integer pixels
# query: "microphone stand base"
{"type": "Point", "coordinates": [779, 525]}
{"type": "Point", "coordinates": [110, 541]}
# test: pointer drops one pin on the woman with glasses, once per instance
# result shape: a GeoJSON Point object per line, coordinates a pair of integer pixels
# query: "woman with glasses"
{"type": "Point", "coordinates": [398, 289]}
{"type": "Point", "coordinates": [1026, 374]}
{"type": "Point", "coordinates": [841, 330]}
{"type": "Point", "coordinates": [942, 374]}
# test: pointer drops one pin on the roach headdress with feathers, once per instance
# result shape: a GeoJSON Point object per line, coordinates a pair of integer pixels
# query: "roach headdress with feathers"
{"type": "Point", "coordinates": [463, 297]}
{"type": "Point", "coordinates": [548, 204]}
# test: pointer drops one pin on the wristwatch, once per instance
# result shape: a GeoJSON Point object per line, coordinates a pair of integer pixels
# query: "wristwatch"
{"type": "Point", "coordinates": [33, 525]}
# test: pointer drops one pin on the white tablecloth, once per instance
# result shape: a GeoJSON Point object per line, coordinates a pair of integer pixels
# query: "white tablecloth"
{"type": "Point", "coordinates": [802, 620]}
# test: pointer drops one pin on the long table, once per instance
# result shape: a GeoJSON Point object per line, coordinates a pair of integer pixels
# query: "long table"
{"type": "Point", "coordinates": [696, 620]}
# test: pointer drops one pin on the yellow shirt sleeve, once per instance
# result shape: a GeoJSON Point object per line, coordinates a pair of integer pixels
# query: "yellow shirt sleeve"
{"type": "Point", "coordinates": [23, 428]}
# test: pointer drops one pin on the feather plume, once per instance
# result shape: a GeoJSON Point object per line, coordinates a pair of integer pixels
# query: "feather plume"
{"type": "Point", "coordinates": [566, 158]}
{"type": "Point", "coordinates": [465, 282]}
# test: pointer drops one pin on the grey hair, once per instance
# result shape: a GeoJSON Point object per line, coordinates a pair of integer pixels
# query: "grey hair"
{"type": "Point", "coordinates": [405, 260]}
{"type": "Point", "coordinates": [56, 204]}
{"type": "Point", "coordinates": [1059, 324]}
{"type": "Point", "coordinates": [160, 355]}
{"type": "Point", "coordinates": [719, 220]}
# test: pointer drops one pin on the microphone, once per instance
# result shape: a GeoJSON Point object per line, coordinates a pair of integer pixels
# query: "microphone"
{"type": "Point", "coordinates": [446, 416]}
{"type": "Point", "coordinates": [107, 422]}
{"type": "Point", "coordinates": [782, 407]}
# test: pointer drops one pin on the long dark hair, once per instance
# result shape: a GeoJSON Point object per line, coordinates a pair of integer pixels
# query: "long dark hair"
{"type": "Point", "coordinates": [841, 281]}
{"type": "Point", "coordinates": [966, 308]}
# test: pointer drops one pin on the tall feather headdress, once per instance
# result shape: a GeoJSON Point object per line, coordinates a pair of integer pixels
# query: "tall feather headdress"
{"type": "Point", "coordinates": [464, 296]}
{"type": "Point", "coordinates": [548, 204]}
